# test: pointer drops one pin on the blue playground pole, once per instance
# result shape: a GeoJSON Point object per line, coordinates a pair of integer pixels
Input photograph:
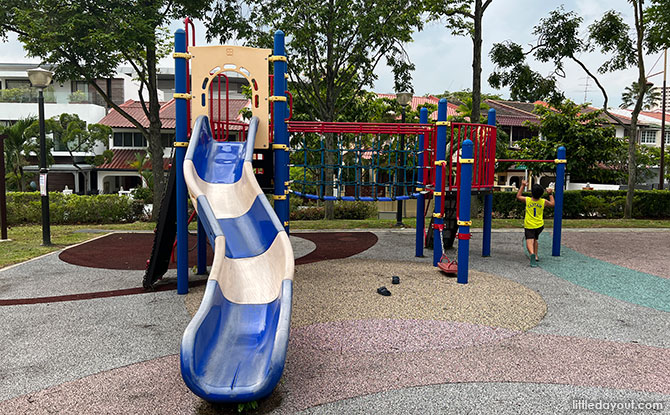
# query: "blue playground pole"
{"type": "Point", "coordinates": [488, 202]}
{"type": "Point", "coordinates": [440, 156]}
{"type": "Point", "coordinates": [280, 145]}
{"type": "Point", "coordinates": [558, 207]}
{"type": "Point", "coordinates": [420, 199]}
{"type": "Point", "coordinates": [181, 141]}
{"type": "Point", "coordinates": [202, 249]}
{"type": "Point", "coordinates": [465, 190]}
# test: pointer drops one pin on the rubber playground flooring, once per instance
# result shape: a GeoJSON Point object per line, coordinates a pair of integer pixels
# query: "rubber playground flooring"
{"type": "Point", "coordinates": [590, 327]}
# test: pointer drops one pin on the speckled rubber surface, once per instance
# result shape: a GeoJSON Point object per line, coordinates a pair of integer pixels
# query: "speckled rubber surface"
{"type": "Point", "coordinates": [513, 340]}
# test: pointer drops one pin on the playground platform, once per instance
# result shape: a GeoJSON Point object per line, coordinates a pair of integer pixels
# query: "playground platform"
{"type": "Point", "coordinates": [589, 328]}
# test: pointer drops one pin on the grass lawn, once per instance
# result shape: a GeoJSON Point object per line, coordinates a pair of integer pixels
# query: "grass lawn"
{"type": "Point", "coordinates": [26, 240]}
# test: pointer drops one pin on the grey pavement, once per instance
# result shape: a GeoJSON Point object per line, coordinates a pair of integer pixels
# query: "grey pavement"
{"type": "Point", "coordinates": [49, 276]}
{"type": "Point", "coordinates": [48, 344]}
{"type": "Point", "coordinates": [495, 398]}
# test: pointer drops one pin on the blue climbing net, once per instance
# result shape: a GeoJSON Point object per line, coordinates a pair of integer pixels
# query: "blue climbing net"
{"type": "Point", "coordinates": [356, 161]}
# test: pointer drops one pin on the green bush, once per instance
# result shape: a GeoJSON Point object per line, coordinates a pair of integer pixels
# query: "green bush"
{"type": "Point", "coordinates": [26, 207]}
{"type": "Point", "coordinates": [343, 210]}
{"type": "Point", "coordinates": [143, 194]}
{"type": "Point", "coordinates": [647, 204]}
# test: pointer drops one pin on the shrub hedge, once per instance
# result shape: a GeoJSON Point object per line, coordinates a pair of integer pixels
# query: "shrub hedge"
{"type": "Point", "coordinates": [343, 210]}
{"type": "Point", "coordinates": [647, 204]}
{"type": "Point", "coordinates": [26, 207]}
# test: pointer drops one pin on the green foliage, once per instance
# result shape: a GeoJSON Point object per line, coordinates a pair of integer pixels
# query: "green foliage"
{"type": "Point", "coordinates": [25, 207]}
{"type": "Point", "coordinates": [590, 143]}
{"type": "Point", "coordinates": [333, 47]}
{"type": "Point", "coordinates": [464, 18]}
{"type": "Point", "coordinates": [579, 204]}
{"type": "Point", "coordinates": [72, 133]}
{"type": "Point", "coordinates": [652, 95]}
{"type": "Point", "coordinates": [90, 39]}
{"type": "Point", "coordinates": [77, 96]}
{"type": "Point", "coordinates": [458, 97]}
{"type": "Point", "coordinates": [143, 194]}
{"type": "Point", "coordinates": [21, 140]}
{"type": "Point", "coordinates": [247, 406]}
{"type": "Point", "coordinates": [658, 25]}
{"type": "Point", "coordinates": [343, 210]}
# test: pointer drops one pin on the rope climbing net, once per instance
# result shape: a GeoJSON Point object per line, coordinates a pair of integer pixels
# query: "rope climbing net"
{"type": "Point", "coordinates": [359, 161]}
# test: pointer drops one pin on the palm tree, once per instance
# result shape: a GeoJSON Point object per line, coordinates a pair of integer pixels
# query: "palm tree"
{"type": "Point", "coordinates": [20, 142]}
{"type": "Point", "coordinates": [465, 109]}
{"type": "Point", "coordinates": [629, 96]}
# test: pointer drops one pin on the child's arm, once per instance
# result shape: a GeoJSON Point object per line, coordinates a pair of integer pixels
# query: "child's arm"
{"type": "Point", "coordinates": [550, 202]}
{"type": "Point", "coordinates": [519, 197]}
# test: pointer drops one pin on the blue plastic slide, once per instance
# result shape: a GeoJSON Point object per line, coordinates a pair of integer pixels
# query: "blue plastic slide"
{"type": "Point", "coordinates": [234, 348]}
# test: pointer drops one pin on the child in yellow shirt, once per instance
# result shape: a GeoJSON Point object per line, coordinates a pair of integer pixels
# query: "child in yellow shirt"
{"type": "Point", "coordinates": [534, 221]}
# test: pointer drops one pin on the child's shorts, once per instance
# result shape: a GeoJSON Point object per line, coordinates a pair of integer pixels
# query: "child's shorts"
{"type": "Point", "coordinates": [533, 233]}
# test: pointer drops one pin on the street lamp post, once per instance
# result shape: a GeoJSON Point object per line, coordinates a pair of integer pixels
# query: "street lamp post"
{"type": "Point", "coordinates": [3, 200]}
{"type": "Point", "coordinates": [403, 98]}
{"type": "Point", "coordinates": [40, 79]}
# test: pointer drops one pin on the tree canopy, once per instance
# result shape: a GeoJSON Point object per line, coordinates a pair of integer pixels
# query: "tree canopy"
{"type": "Point", "coordinates": [591, 143]}
{"type": "Point", "coordinates": [559, 40]}
{"type": "Point", "coordinates": [89, 39]}
{"type": "Point", "coordinates": [464, 18]}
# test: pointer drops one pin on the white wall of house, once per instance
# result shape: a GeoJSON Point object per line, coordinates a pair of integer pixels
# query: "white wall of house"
{"type": "Point", "coordinates": [87, 112]}
{"type": "Point", "coordinates": [131, 88]}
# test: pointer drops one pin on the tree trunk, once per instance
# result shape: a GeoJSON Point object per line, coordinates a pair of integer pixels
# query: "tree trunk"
{"type": "Point", "coordinates": [632, 139]}
{"type": "Point", "coordinates": [154, 139]}
{"type": "Point", "coordinates": [477, 63]}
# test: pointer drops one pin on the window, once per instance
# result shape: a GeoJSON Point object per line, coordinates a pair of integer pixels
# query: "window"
{"type": "Point", "coordinates": [129, 139]}
{"type": "Point", "coordinates": [167, 140]}
{"type": "Point", "coordinates": [17, 83]}
{"type": "Point", "coordinates": [667, 137]}
{"type": "Point", "coordinates": [80, 86]}
{"type": "Point", "coordinates": [648, 137]}
{"type": "Point", "coordinates": [138, 140]}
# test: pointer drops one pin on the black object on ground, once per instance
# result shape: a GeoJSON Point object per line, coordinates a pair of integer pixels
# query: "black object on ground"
{"type": "Point", "coordinates": [383, 291]}
{"type": "Point", "coordinates": [395, 279]}
{"type": "Point", "coordinates": [166, 231]}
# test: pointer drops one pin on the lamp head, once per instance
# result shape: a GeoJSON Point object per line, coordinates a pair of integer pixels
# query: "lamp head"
{"type": "Point", "coordinates": [404, 98]}
{"type": "Point", "coordinates": [39, 77]}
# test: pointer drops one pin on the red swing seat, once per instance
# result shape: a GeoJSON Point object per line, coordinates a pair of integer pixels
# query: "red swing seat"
{"type": "Point", "coordinates": [449, 267]}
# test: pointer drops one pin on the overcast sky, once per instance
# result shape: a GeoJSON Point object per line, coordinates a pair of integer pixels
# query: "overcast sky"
{"type": "Point", "coordinates": [444, 62]}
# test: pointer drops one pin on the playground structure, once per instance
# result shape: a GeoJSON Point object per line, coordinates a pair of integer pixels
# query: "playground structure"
{"type": "Point", "coordinates": [369, 163]}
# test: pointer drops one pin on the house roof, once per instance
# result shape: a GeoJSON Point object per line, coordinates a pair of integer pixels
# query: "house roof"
{"type": "Point", "coordinates": [167, 113]}
{"type": "Point", "coordinates": [452, 109]}
{"type": "Point", "coordinates": [513, 113]}
{"type": "Point", "coordinates": [123, 157]}
{"type": "Point", "coordinates": [625, 116]}
{"type": "Point", "coordinates": [133, 108]}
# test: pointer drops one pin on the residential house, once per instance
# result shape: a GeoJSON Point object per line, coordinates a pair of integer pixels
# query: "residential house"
{"type": "Point", "coordinates": [127, 142]}
{"type": "Point", "coordinates": [18, 100]}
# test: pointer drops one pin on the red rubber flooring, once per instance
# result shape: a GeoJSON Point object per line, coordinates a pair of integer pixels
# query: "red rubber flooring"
{"type": "Point", "coordinates": [130, 251]}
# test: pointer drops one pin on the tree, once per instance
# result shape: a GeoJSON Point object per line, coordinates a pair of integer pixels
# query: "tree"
{"type": "Point", "coordinates": [652, 96]}
{"type": "Point", "coordinates": [20, 142]}
{"type": "Point", "coordinates": [558, 40]}
{"type": "Point", "coordinates": [465, 17]}
{"type": "Point", "coordinates": [465, 109]}
{"type": "Point", "coordinates": [333, 48]}
{"type": "Point", "coordinates": [72, 133]}
{"type": "Point", "coordinates": [592, 143]}
{"type": "Point", "coordinates": [458, 97]}
{"type": "Point", "coordinates": [89, 39]}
